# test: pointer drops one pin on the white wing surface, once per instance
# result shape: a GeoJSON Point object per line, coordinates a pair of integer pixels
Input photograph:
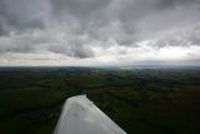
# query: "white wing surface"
{"type": "Point", "coordinates": [81, 116]}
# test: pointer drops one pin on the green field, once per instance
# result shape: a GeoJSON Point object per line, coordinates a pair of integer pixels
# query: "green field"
{"type": "Point", "coordinates": [148, 100]}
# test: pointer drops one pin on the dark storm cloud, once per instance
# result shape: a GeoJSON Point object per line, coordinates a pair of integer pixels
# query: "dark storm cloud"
{"type": "Point", "coordinates": [20, 15]}
{"type": "Point", "coordinates": [23, 14]}
{"type": "Point", "coordinates": [75, 48]}
{"type": "Point", "coordinates": [89, 28]}
{"type": "Point", "coordinates": [80, 8]}
{"type": "Point", "coordinates": [2, 19]}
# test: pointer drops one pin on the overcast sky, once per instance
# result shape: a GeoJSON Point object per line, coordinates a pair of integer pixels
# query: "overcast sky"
{"type": "Point", "coordinates": [99, 32]}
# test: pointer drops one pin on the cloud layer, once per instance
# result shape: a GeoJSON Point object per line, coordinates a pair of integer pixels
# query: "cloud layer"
{"type": "Point", "coordinates": [99, 32]}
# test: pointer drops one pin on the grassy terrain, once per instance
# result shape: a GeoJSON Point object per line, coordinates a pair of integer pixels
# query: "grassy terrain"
{"type": "Point", "coordinates": [153, 101]}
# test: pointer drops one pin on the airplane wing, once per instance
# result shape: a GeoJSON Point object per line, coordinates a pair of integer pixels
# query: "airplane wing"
{"type": "Point", "coordinates": [81, 116]}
